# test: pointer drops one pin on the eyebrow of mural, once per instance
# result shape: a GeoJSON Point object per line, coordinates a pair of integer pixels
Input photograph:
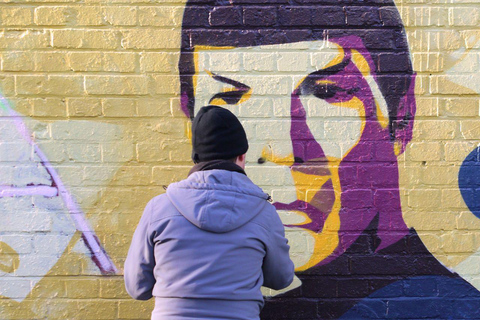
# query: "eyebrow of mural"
{"type": "Point", "coordinates": [243, 87]}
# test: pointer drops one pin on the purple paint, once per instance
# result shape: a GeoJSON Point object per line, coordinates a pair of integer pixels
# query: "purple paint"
{"type": "Point", "coordinates": [99, 255]}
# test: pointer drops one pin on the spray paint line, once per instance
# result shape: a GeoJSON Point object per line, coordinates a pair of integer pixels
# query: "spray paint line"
{"type": "Point", "coordinates": [99, 255]}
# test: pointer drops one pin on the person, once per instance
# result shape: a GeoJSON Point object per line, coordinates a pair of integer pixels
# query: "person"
{"type": "Point", "coordinates": [205, 248]}
{"type": "Point", "coordinates": [333, 87]}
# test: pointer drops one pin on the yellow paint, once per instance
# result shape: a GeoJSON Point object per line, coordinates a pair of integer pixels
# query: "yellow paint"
{"type": "Point", "coordinates": [327, 240]}
{"type": "Point", "coordinates": [9, 258]}
{"type": "Point", "coordinates": [362, 64]}
{"type": "Point", "coordinates": [307, 182]}
{"type": "Point", "coordinates": [268, 155]}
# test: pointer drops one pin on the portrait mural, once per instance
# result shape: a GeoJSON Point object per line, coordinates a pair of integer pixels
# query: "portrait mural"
{"type": "Point", "coordinates": [362, 120]}
{"type": "Point", "coordinates": [338, 82]}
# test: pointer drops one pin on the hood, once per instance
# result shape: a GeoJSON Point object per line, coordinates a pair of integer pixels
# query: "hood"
{"type": "Point", "coordinates": [217, 200]}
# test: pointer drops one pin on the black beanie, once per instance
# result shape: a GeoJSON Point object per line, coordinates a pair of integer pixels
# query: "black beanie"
{"type": "Point", "coordinates": [217, 134]}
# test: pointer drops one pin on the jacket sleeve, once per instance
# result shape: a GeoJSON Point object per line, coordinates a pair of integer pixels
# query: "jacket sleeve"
{"type": "Point", "coordinates": [138, 268]}
{"type": "Point", "coordinates": [278, 269]}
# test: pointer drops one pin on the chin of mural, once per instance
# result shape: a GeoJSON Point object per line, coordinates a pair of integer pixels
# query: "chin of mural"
{"type": "Point", "coordinates": [39, 215]}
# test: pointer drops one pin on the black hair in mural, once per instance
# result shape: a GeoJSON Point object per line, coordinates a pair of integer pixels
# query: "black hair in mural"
{"type": "Point", "coordinates": [243, 23]}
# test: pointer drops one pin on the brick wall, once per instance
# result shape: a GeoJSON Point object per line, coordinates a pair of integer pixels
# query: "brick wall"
{"type": "Point", "coordinates": [94, 123]}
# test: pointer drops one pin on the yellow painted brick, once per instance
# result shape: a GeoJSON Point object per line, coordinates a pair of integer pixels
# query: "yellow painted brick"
{"type": "Point", "coordinates": [116, 84]}
{"type": "Point", "coordinates": [132, 176]}
{"type": "Point", "coordinates": [160, 16]}
{"type": "Point", "coordinates": [49, 287]}
{"type": "Point", "coordinates": [424, 16]}
{"type": "Point", "coordinates": [119, 62]}
{"type": "Point", "coordinates": [435, 130]}
{"type": "Point", "coordinates": [18, 61]}
{"type": "Point", "coordinates": [54, 16]}
{"type": "Point", "coordinates": [97, 310]}
{"type": "Point", "coordinates": [180, 150]}
{"type": "Point", "coordinates": [15, 16]}
{"type": "Point", "coordinates": [84, 107]}
{"type": "Point", "coordinates": [77, 287]}
{"type": "Point", "coordinates": [158, 62]}
{"type": "Point", "coordinates": [457, 84]}
{"type": "Point", "coordinates": [113, 288]}
{"type": "Point", "coordinates": [51, 61]}
{"type": "Point", "coordinates": [452, 198]}
{"type": "Point", "coordinates": [151, 152]}
{"type": "Point", "coordinates": [24, 39]}
{"type": "Point", "coordinates": [471, 38]}
{"type": "Point", "coordinates": [422, 83]}
{"type": "Point", "coordinates": [470, 129]}
{"type": "Point", "coordinates": [165, 84]}
{"type": "Point", "coordinates": [119, 107]}
{"type": "Point", "coordinates": [424, 198]}
{"type": "Point", "coordinates": [428, 62]}
{"type": "Point", "coordinates": [85, 39]}
{"type": "Point", "coordinates": [48, 107]}
{"type": "Point", "coordinates": [121, 16]}
{"type": "Point", "coordinates": [7, 85]}
{"type": "Point", "coordinates": [164, 175]}
{"type": "Point", "coordinates": [439, 175]}
{"type": "Point", "coordinates": [431, 240]}
{"type": "Point", "coordinates": [130, 309]}
{"type": "Point", "coordinates": [154, 108]}
{"type": "Point", "coordinates": [427, 107]}
{"type": "Point", "coordinates": [458, 242]}
{"type": "Point", "coordinates": [120, 151]}
{"type": "Point", "coordinates": [53, 85]}
{"type": "Point", "coordinates": [85, 61]}
{"type": "Point", "coordinates": [88, 15]}
{"type": "Point", "coordinates": [460, 107]}
{"type": "Point", "coordinates": [457, 150]}
{"type": "Point", "coordinates": [424, 151]}
{"type": "Point", "coordinates": [468, 221]}
{"type": "Point", "coordinates": [464, 16]}
{"type": "Point", "coordinates": [151, 39]}
{"type": "Point", "coordinates": [22, 106]}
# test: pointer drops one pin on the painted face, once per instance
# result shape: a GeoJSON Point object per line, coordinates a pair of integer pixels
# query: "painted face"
{"type": "Point", "coordinates": [311, 111]}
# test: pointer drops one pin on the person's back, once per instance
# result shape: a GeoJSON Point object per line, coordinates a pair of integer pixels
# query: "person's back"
{"type": "Point", "coordinates": [205, 248]}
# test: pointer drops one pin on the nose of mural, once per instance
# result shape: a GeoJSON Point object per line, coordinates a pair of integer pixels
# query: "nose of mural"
{"type": "Point", "coordinates": [469, 181]}
{"type": "Point", "coordinates": [34, 198]}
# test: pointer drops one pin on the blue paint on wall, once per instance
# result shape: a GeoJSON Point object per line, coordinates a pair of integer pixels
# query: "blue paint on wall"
{"type": "Point", "coordinates": [469, 181]}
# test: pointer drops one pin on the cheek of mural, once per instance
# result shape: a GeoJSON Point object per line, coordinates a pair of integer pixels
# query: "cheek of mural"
{"type": "Point", "coordinates": [362, 125]}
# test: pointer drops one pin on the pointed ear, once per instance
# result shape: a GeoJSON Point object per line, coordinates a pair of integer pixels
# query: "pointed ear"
{"type": "Point", "coordinates": [403, 126]}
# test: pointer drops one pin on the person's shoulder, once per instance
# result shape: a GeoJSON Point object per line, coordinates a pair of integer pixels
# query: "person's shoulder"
{"type": "Point", "coordinates": [160, 207]}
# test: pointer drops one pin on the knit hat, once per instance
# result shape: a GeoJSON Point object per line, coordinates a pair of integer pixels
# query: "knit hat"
{"type": "Point", "coordinates": [217, 134]}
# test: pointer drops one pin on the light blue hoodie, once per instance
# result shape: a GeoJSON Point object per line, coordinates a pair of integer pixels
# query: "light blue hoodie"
{"type": "Point", "coordinates": [205, 248]}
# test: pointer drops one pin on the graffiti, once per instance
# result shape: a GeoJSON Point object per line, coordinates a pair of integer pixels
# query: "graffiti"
{"type": "Point", "coordinates": [343, 105]}
{"type": "Point", "coordinates": [34, 199]}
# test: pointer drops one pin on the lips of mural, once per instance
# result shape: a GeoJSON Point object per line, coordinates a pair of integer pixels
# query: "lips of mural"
{"type": "Point", "coordinates": [9, 258]}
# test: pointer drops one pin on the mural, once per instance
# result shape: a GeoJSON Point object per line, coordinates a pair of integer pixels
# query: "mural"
{"type": "Point", "coordinates": [342, 104]}
{"type": "Point", "coordinates": [363, 126]}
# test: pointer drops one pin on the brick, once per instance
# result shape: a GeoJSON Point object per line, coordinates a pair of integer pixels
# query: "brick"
{"type": "Point", "coordinates": [7, 84]}
{"type": "Point", "coordinates": [76, 288]}
{"type": "Point", "coordinates": [458, 242]}
{"type": "Point", "coordinates": [17, 61]}
{"type": "Point", "coordinates": [425, 151]}
{"type": "Point", "coordinates": [55, 85]}
{"type": "Point", "coordinates": [216, 61]}
{"type": "Point", "coordinates": [121, 16]}
{"type": "Point", "coordinates": [425, 16]}
{"type": "Point", "coordinates": [427, 107]}
{"type": "Point", "coordinates": [16, 16]}
{"type": "Point", "coordinates": [84, 107]}
{"type": "Point", "coordinates": [113, 288]}
{"type": "Point", "coordinates": [470, 129]}
{"type": "Point", "coordinates": [424, 198]}
{"type": "Point", "coordinates": [129, 309]}
{"type": "Point", "coordinates": [428, 62]}
{"type": "Point", "coordinates": [165, 16]}
{"type": "Point", "coordinates": [457, 150]}
{"type": "Point", "coordinates": [293, 61]}
{"type": "Point", "coordinates": [24, 39]}
{"type": "Point", "coordinates": [85, 61]}
{"type": "Point", "coordinates": [151, 39]}
{"type": "Point", "coordinates": [154, 108]}
{"type": "Point", "coordinates": [258, 61]}
{"type": "Point", "coordinates": [54, 16]}
{"type": "Point", "coordinates": [458, 84]}
{"type": "Point", "coordinates": [117, 85]}
{"type": "Point", "coordinates": [452, 198]}
{"type": "Point", "coordinates": [85, 39]}
{"type": "Point", "coordinates": [119, 107]}
{"type": "Point", "coordinates": [117, 152]}
{"type": "Point", "coordinates": [158, 62]}
{"type": "Point", "coordinates": [51, 61]}
{"type": "Point", "coordinates": [464, 16]}
{"type": "Point", "coordinates": [165, 84]}
{"type": "Point", "coordinates": [460, 107]}
{"type": "Point", "coordinates": [48, 107]}
{"type": "Point", "coordinates": [119, 62]}
{"type": "Point", "coordinates": [90, 16]}
{"type": "Point", "coordinates": [435, 130]}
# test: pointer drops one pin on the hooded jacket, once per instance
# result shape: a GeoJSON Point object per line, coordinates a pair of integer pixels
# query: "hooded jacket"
{"type": "Point", "coordinates": [205, 248]}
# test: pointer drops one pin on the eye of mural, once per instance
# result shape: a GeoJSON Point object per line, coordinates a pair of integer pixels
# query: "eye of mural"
{"type": "Point", "coordinates": [231, 96]}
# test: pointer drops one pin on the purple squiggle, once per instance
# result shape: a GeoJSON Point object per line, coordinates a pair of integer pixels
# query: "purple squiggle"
{"type": "Point", "coordinates": [99, 255]}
